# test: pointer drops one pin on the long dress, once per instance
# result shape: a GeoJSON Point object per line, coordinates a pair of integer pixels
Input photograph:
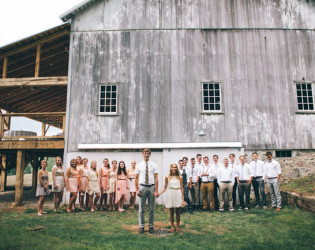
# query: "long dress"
{"type": "Point", "coordinates": [131, 177]}
{"type": "Point", "coordinates": [173, 193]}
{"type": "Point", "coordinates": [93, 182]}
{"type": "Point", "coordinates": [112, 181]}
{"type": "Point", "coordinates": [122, 185]}
{"type": "Point", "coordinates": [104, 178]}
{"type": "Point", "coordinates": [84, 178]}
{"type": "Point", "coordinates": [73, 181]}
{"type": "Point", "coordinates": [59, 180]}
{"type": "Point", "coordinates": [40, 188]}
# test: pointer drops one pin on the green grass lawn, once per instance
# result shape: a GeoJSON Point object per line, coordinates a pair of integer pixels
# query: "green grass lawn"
{"type": "Point", "coordinates": [255, 229]}
{"type": "Point", "coordinates": [304, 186]}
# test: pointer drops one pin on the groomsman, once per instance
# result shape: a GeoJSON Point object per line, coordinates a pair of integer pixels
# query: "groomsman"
{"type": "Point", "coordinates": [207, 185]}
{"type": "Point", "coordinates": [183, 173]}
{"type": "Point", "coordinates": [226, 178]}
{"type": "Point", "coordinates": [193, 174]}
{"type": "Point", "coordinates": [233, 166]}
{"type": "Point", "coordinates": [273, 173]}
{"type": "Point", "coordinates": [199, 165]}
{"type": "Point", "coordinates": [258, 171]}
{"type": "Point", "coordinates": [215, 168]}
{"type": "Point", "coordinates": [244, 178]}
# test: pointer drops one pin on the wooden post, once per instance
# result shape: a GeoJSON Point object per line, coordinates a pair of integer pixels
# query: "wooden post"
{"type": "Point", "coordinates": [3, 173]}
{"type": "Point", "coordinates": [20, 157]}
{"type": "Point", "coordinates": [63, 125]}
{"type": "Point", "coordinates": [34, 163]}
{"type": "Point", "coordinates": [1, 126]}
{"type": "Point", "coordinates": [5, 67]}
{"type": "Point", "coordinates": [43, 129]}
{"type": "Point", "coordinates": [37, 64]}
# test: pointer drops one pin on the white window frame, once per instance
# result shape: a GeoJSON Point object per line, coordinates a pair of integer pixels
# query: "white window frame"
{"type": "Point", "coordinates": [296, 100]}
{"type": "Point", "coordinates": [203, 111]}
{"type": "Point", "coordinates": [99, 98]}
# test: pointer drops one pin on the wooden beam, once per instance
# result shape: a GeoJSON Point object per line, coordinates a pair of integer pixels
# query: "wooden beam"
{"type": "Point", "coordinates": [3, 173]}
{"type": "Point", "coordinates": [34, 163]}
{"type": "Point", "coordinates": [43, 129]}
{"type": "Point", "coordinates": [37, 62]}
{"type": "Point", "coordinates": [31, 81]}
{"type": "Point", "coordinates": [20, 161]}
{"type": "Point", "coordinates": [33, 144]}
{"type": "Point", "coordinates": [5, 67]}
{"type": "Point", "coordinates": [34, 114]}
{"type": "Point", "coordinates": [34, 44]}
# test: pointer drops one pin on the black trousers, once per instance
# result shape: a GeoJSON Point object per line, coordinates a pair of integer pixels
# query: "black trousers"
{"type": "Point", "coordinates": [216, 198]}
{"type": "Point", "coordinates": [259, 185]}
{"type": "Point", "coordinates": [244, 189]}
{"type": "Point", "coordinates": [234, 192]}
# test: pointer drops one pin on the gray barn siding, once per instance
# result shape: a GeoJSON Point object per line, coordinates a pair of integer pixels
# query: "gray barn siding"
{"type": "Point", "coordinates": [170, 14]}
{"type": "Point", "coordinates": [159, 74]}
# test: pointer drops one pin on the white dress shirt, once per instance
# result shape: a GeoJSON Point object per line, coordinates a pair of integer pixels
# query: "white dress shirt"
{"type": "Point", "coordinates": [272, 168]}
{"type": "Point", "coordinates": [215, 169]}
{"type": "Point", "coordinates": [207, 170]}
{"type": "Point", "coordinates": [243, 172]}
{"type": "Point", "coordinates": [181, 170]}
{"type": "Point", "coordinates": [233, 166]}
{"type": "Point", "coordinates": [193, 172]}
{"type": "Point", "coordinates": [141, 170]}
{"type": "Point", "coordinates": [225, 174]}
{"type": "Point", "coordinates": [258, 168]}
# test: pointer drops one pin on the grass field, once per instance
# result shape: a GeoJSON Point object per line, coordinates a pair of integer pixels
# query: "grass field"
{"type": "Point", "coordinates": [289, 229]}
{"type": "Point", "coordinates": [304, 186]}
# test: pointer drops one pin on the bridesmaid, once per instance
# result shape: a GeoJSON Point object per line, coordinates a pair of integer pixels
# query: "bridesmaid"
{"type": "Point", "coordinates": [83, 172]}
{"type": "Point", "coordinates": [42, 187]}
{"type": "Point", "coordinates": [112, 185]}
{"type": "Point", "coordinates": [104, 180]}
{"type": "Point", "coordinates": [132, 186]}
{"type": "Point", "coordinates": [72, 183]}
{"type": "Point", "coordinates": [175, 194]}
{"type": "Point", "coordinates": [122, 186]}
{"type": "Point", "coordinates": [58, 184]}
{"type": "Point", "coordinates": [93, 185]}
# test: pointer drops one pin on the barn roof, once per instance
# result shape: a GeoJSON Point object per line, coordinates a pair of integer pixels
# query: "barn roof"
{"type": "Point", "coordinates": [81, 6]}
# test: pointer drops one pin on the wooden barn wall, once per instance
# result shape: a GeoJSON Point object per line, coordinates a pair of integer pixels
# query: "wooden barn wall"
{"type": "Point", "coordinates": [159, 74]}
{"type": "Point", "coordinates": [174, 14]}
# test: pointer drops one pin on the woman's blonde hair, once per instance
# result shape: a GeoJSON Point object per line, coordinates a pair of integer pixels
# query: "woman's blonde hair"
{"type": "Point", "coordinates": [177, 171]}
{"type": "Point", "coordinates": [92, 162]}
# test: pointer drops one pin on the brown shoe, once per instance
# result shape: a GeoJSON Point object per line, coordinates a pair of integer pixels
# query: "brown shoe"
{"type": "Point", "coordinates": [141, 230]}
{"type": "Point", "coordinates": [278, 209]}
{"type": "Point", "coordinates": [271, 207]}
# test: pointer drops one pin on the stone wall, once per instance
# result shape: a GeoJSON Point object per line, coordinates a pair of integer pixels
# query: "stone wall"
{"type": "Point", "coordinates": [301, 164]}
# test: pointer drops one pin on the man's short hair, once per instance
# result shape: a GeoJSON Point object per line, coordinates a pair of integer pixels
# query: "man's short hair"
{"type": "Point", "coordinates": [198, 155]}
{"type": "Point", "coordinates": [206, 157]}
{"type": "Point", "coordinates": [255, 153]}
{"type": "Point", "coordinates": [146, 150]}
{"type": "Point", "coordinates": [242, 156]}
{"type": "Point", "coordinates": [185, 158]}
{"type": "Point", "coordinates": [268, 153]}
{"type": "Point", "coordinates": [215, 156]}
{"type": "Point", "coordinates": [192, 159]}
{"type": "Point", "coordinates": [225, 159]}
{"type": "Point", "coordinates": [231, 155]}
{"type": "Point", "coordinates": [180, 161]}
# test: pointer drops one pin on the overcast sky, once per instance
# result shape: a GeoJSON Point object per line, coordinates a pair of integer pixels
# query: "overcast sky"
{"type": "Point", "coordinates": [23, 18]}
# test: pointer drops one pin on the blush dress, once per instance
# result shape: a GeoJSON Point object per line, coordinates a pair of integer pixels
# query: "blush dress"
{"type": "Point", "coordinates": [173, 193]}
{"type": "Point", "coordinates": [59, 180]}
{"type": "Point", "coordinates": [73, 181]}
{"type": "Point", "coordinates": [104, 178]}
{"type": "Point", "coordinates": [84, 179]}
{"type": "Point", "coordinates": [132, 184]}
{"type": "Point", "coordinates": [122, 185]}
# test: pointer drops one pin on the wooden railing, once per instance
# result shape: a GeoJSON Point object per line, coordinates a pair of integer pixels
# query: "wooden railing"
{"type": "Point", "coordinates": [55, 119]}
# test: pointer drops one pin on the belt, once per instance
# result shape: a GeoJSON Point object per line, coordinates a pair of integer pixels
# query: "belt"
{"type": "Point", "coordinates": [226, 181]}
{"type": "Point", "coordinates": [193, 182]}
{"type": "Point", "coordinates": [206, 181]}
{"type": "Point", "coordinates": [271, 178]}
{"type": "Point", "coordinates": [145, 185]}
{"type": "Point", "coordinates": [104, 175]}
{"type": "Point", "coordinates": [257, 177]}
{"type": "Point", "coordinates": [131, 178]}
{"type": "Point", "coordinates": [121, 179]}
{"type": "Point", "coordinates": [244, 181]}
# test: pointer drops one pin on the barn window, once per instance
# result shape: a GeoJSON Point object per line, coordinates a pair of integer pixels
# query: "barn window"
{"type": "Point", "coordinates": [283, 153]}
{"type": "Point", "coordinates": [108, 99]}
{"type": "Point", "coordinates": [305, 98]}
{"type": "Point", "coordinates": [211, 96]}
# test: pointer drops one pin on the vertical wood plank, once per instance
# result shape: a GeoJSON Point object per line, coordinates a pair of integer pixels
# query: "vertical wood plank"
{"type": "Point", "coordinates": [43, 129]}
{"type": "Point", "coordinates": [34, 163]}
{"type": "Point", "coordinates": [63, 125]}
{"type": "Point", "coordinates": [3, 173]}
{"type": "Point", "coordinates": [1, 126]}
{"type": "Point", "coordinates": [5, 67]}
{"type": "Point", "coordinates": [20, 157]}
{"type": "Point", "coordinates": [37, 64]}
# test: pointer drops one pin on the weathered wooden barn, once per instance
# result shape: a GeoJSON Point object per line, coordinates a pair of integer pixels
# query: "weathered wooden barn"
{"type": "Point", "coordinates": [183, 76]}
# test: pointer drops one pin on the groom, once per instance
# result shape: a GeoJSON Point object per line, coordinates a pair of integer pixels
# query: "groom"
{"type": "Point", "coordinates": [147, 177]}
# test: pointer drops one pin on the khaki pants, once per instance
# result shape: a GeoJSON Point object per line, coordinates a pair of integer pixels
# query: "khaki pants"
{"type": "Point", "coordinates": [226, 187]}
{"type": "Point", "coordinates": [207, 189]}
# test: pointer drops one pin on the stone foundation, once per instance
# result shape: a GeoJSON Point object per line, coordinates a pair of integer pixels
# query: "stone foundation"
{"type": "Point", "coordinates": [301, 164]}
{"type": "Point", "coordinates": [306, 203]}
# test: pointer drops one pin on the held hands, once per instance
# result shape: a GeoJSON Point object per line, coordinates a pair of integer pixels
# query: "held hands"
{"type": "Point", "coordinates": [55, 186]}
{"type": "Point", "coordinates": [138, 193]}
{"type": "Point", "coordinates": [156, 194]}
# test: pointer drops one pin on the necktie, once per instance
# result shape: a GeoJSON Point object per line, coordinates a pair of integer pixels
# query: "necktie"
{"type": "Point", "coordinates": [255, 168]}
{"type": "Point", "coordinates": [242, 172]}
{"type": "Point", "coordinates": [146, 173]}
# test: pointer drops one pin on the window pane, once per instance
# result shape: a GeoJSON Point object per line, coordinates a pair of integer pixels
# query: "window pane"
{"type": "Point", "coordinates": [304, 92]}
{"type": "Point", "coordinates": [305, 107]}
{"type": "Point", "coordinates": [108, 88]}
{"type": "Point", "coordinates": [309, 86]}
{"type": "Point", "coordinates": [303, 86]}
{"type": "Point", "coordinates": [205, 86]}
{"type": "Point", "coordinates": [107, 95]}
{"type": "Point", "coordinates": [300, 106]}
{"type": "Point", "coordinates": [217, 86]}
{"type": "Point", "coordinates": [102, 102]}
{"type": "Point", "coordinates": [206, 107]}
{"type": "Point", "coordinates": [217, 99]}
{"type": "Point", "coordinates": [311, 106]}
{"type": "Point", "coordinates": [211, 86]}
{"type": "Point", "coordinates": [298, 86]}
{"type": "Point", "coordinates": [211, 99]}
{"type": "Point", "coordinates": [310, 93]}
{"type": "Point", "coordinates": [113, 109]}
{"type": "Point", "coordinates": [299, 93]}
{"type": "Point", "coordinates": [114, 88]}
{"type": "Point", "coordinates": [102, 95]}
{"type": "Point", "coordinates": [211, 93]}
{"type": "Point", "coordinates": [113, 101]}
{"type": "Point", "coordinates": [310, 99]}
{"type": "Point", "coordinates": [211, 106]}
{"type": "Point", "coordinates": [217, 93]}
{"type": "Point", "coordinates": [206, 100]}
{"type": "Point", "coordinates": [217, 106]}
{"type": "Point", "coordinates": [305, 99]}
{"type": "Point", "coordinates": [107, 108]}
{"type": "Point", "coordinates": [113, 95]}
{"type": "Point", "coordinates": [102, 88]}
{"type": "Point", "coordinates": [205, 93]}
